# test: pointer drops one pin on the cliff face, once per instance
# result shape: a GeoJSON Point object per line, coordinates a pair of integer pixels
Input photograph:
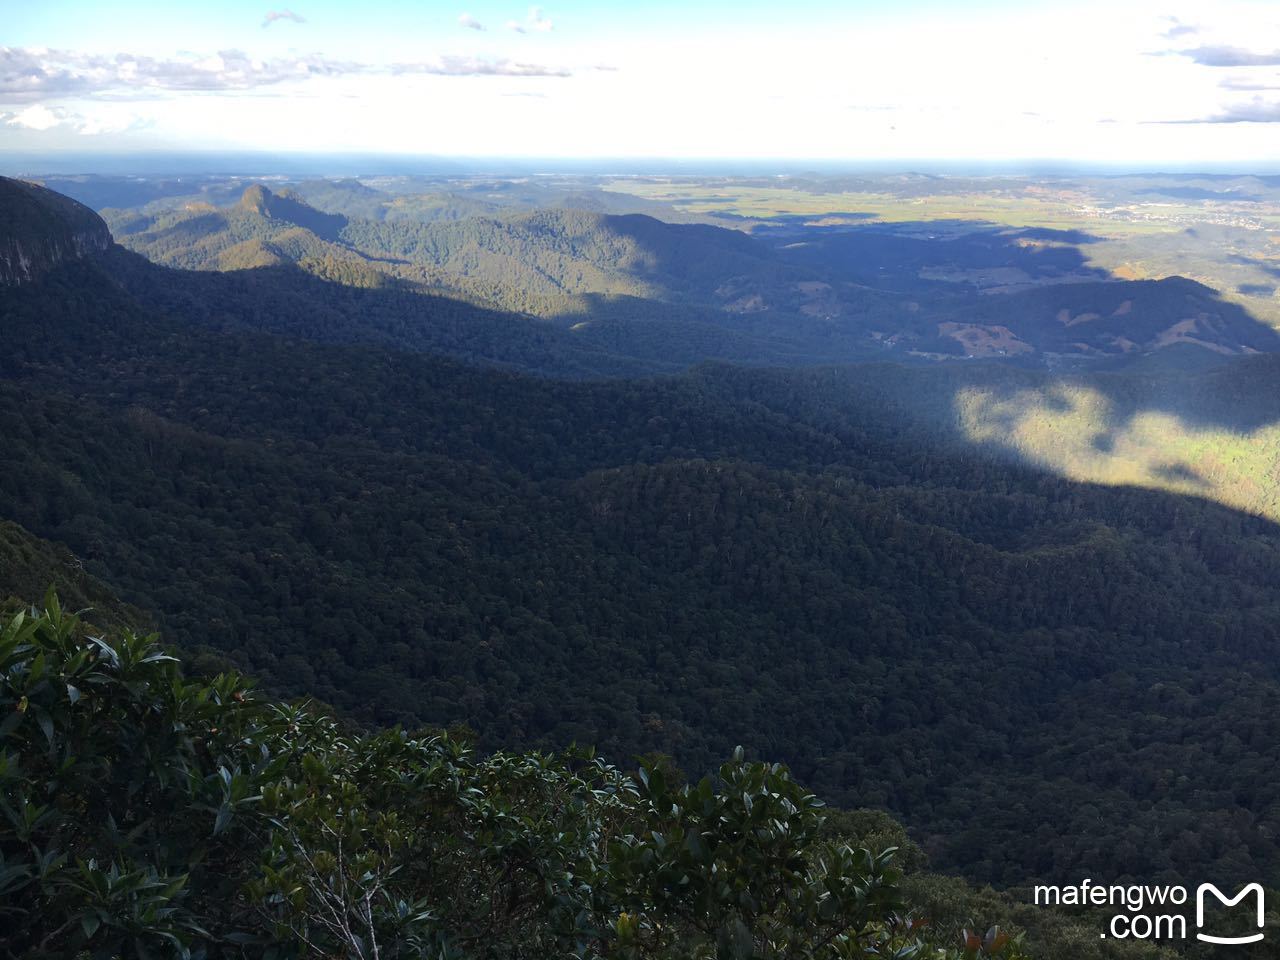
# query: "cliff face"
{"type": "Point", "coordinates": [40, 229]}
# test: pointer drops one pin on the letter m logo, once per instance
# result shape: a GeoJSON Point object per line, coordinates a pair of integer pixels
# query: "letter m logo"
{"type": "Point", "coordinates": [1254, 888]}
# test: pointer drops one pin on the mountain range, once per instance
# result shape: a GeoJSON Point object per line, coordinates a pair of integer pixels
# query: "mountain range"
{"type": "Point", "coordinates": [655, 291]}
{"type": "Point", "coordinates": [934, 588]}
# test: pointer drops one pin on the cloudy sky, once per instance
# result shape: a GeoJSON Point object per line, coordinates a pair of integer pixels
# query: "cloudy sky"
{"type": "Point", "coordinates": [1123, 82]}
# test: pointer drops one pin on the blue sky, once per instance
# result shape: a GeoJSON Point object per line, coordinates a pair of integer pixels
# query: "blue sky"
{"type": "Point", "coordinates": [1113, 83]}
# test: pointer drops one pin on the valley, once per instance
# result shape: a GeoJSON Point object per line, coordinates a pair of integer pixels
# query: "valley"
{"type": "Point", "coordinates": [947, 518]}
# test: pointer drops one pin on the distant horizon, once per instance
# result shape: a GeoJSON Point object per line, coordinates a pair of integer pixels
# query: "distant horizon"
{"type": "Point", "coordinates": [344, 164]}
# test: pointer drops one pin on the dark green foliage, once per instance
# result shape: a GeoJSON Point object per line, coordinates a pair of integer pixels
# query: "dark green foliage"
{"type": "Point", "coordinates": [29, 565]}
{"type": "Point", "coordinates": [106, 756]}
{"type": "Point", "coordinates": [1047, 679]}
{"type": "Point", "coordinates": [677, 565]}
{"type": "Point", "coordinates": [148, 815]}
{"type": "Point", "coordinates": [726, 860]}
{"type": "Point", "coordinates": [346, 301]}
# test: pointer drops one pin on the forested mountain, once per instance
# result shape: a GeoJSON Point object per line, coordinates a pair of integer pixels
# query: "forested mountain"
{"type": "Point", "coordinates": [678, 293]}
{"type": "Point", "coordinates": [676, 564]}
{"type": "Point", "coordinates": [853, 570]}
{"type": "Point", "coordinates": [190, 878]}
{"type": "Point", "coordinates": [1179, 417]}
{"type": "Point", "coordinates": [535, 261]}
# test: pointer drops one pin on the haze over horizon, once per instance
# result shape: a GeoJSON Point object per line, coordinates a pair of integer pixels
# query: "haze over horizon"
{"type": "Point", "coordinates": [1164, 86]}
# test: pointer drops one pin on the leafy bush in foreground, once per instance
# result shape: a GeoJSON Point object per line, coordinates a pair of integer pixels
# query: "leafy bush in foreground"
{"type": "Point", "coordinates": [145, 814]}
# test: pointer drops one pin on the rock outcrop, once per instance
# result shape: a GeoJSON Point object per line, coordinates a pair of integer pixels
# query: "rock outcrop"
{"type": "Point", "coordinates": [40, 229]}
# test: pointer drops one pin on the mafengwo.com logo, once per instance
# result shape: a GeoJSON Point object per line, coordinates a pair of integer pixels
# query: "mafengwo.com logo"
{"type": "Point", "coordinates": [1150, 912]}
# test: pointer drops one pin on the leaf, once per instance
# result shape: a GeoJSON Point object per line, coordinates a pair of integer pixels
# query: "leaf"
{"type": "Point", "coordinates": [46, 724]}
{"type": "Point", "coordinates": [51, 604]}
{"type": "Point", "coordinates": [89, 923]}
{"type": "Point", "coordinates": [994, 940]}
{"type": "Point", "coordinates": [224, 817]}
{"type": "Point", "coordinates": [107, 649]}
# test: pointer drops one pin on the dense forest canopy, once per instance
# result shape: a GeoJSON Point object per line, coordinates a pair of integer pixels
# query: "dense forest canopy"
{"type": "Point", "coordinates": [1040, 676]}
{"type": "Point", "coordinates": [1150, 382]}
{"type": "Point", "coordinates": [148, 814]}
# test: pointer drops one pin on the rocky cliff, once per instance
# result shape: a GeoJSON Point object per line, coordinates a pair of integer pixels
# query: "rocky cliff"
{"type": "Point", "coordinates": [40, 229]}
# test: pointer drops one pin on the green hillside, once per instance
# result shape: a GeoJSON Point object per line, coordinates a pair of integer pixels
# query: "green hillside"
{"type": "Point", "coordinates": [672, 294]}
{"type": "Point", "coordinates": [1183, 423]}
{"type": "Point", "coordinates": [674, 564]}
{"type": "Point", "coordinates": [899, 580]}
{"type": "Point", "coordinates": [201, 236]}
{"type": "Point", "coordinates": [535, 262]}
{"type": "Point", "coordinates": [29, 567]}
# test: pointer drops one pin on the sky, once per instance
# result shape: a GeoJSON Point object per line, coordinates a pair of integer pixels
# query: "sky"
{"type": "Point", "coordinates": [1119, 83]}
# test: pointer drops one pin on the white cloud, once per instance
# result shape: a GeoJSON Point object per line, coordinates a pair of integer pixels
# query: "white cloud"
{"type": "Point", "coordinates": [470, 22]}
{"type": "Point", "coordinates": [1229, 56]}
{"type": "Point", "coordinates": [275, 15]}
{"type": "Point", "coordinates": [534, 22]}
{"type": "Point", "coordinates": [1251, 83]}
{"type": "Point", "coordinates": [105, 125]}
{"type": "Point", "coordinates": [457, 66]}
{"type": "Point", "coordinates": [32, 75]}
{"type": "Point", "coordinates": [1256, 110]}
{"type": "Point", "coordinates": [41, 118]}
{"type": "Point", "coordinates": [1178, 28]}
{"type": "Point", "coordinates": [38, 117]}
